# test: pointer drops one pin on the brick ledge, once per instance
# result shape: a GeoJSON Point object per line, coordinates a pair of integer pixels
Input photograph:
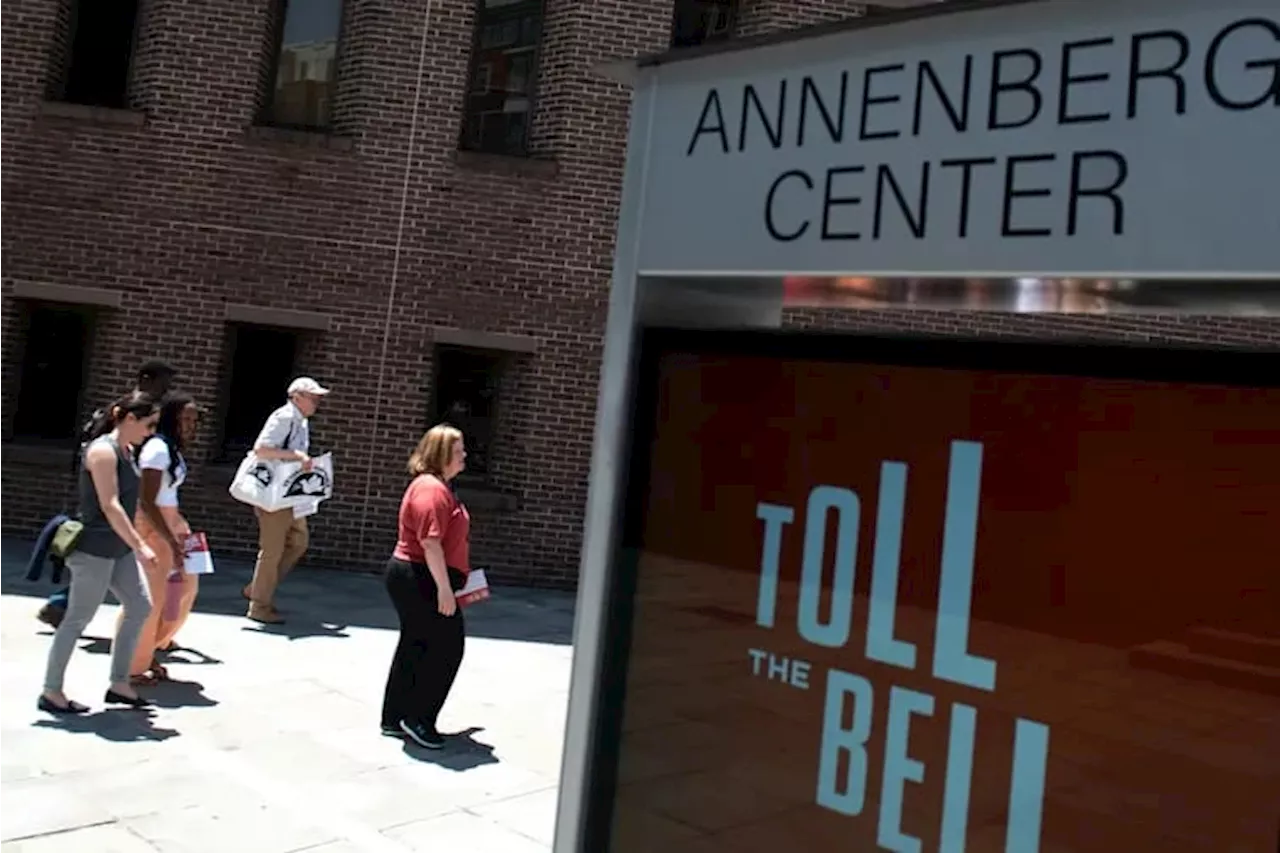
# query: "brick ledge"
{"type": "Point", "coordinates": [37, 455]}
{"type": "Point", "coordinates": [97, 115]}
{"type": "Point", "coordinates": [506, 164]}
{"type": "Point", "coordinates": [485, 498]}
{"type": "Point", "coordinates": [305, 138]}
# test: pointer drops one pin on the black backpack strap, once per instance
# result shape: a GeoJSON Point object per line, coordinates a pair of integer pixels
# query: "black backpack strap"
{"type": "Point", "coordinates": [77, 462]}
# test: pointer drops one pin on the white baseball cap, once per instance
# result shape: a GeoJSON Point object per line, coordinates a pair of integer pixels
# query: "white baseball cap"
{"type": "Point", "coordinates": [306, 385]}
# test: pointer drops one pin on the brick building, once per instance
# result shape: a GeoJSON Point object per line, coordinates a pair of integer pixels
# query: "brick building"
{"type": "Point", "coordinates": [412, 200]}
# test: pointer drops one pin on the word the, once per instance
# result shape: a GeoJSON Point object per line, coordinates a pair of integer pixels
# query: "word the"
{"type": "Point", "coordinates": [777, 668]}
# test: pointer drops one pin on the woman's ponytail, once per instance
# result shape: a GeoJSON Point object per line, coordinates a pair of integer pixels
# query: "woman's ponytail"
{"type": "Point", "coordinates": [136, 403]}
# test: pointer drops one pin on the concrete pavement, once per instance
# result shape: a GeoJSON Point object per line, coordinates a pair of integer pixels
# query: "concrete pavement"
{"type": "Point", "coordinates": [269, 741]}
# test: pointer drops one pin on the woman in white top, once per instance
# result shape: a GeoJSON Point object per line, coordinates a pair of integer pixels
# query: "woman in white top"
{"type": "Point", "coordinates": [162, 526]}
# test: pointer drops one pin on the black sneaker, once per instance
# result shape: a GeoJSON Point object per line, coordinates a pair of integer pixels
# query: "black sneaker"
{"type": "Point", "coordinates": [424, 736]}
{"type": "Point", "coordinates": [392, 731]}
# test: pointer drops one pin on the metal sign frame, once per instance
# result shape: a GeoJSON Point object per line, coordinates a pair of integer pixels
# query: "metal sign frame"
{"type": "Point", "coordinates": [743, 301]}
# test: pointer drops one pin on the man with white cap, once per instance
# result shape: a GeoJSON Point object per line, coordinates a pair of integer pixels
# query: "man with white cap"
{"type": "Point", "coordinates": [282, 537]}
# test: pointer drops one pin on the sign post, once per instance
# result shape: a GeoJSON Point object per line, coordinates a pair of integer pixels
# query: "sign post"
{"type": "Point", "coordinates": [851, 592]}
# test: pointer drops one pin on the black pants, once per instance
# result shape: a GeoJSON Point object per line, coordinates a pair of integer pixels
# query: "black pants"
{"type": "Point", "coordinates": [430, 648]}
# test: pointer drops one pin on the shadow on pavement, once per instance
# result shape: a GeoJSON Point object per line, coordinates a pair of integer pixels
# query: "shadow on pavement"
{"type": "Point", "coordinates": [320, 603]}
{"type": "Point", "coordinates": [461, 752]}
{"type": "Point", "coordinates": [178, 694]}
{"type": "Point", "coordinates": [294, 629]}
{"type": "Point", "coordinates": [125, 726]}
{"type": "Point", "coordinates": [175, 654]}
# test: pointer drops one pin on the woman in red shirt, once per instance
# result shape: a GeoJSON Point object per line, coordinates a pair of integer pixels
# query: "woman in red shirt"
{"type": "Point", "coordinates": [431, 561]}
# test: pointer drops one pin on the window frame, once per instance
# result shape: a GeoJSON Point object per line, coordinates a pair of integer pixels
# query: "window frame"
{"type": "Point", "coordinates": [62, 76]}
{"type": "Point", "coordinates": [500, 365]}
{"type": "Point", "coordinates": [473, 61]}
{"type": "Point", "coordinates": [278, 11]}
{"type": "Point", "coordinates": [92, 317]}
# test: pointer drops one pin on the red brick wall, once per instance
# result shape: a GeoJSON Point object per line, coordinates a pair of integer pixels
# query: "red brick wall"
{"type": "Point", "coordinates": [756, 17]}
{"type": "Point", "coordinates": [196, 209]}
{"type": "Point", "coordinates": [191, 208]}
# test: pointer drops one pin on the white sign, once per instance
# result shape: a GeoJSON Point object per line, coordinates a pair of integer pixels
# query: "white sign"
{"type": "Point", "coordinates": [1105, 137]}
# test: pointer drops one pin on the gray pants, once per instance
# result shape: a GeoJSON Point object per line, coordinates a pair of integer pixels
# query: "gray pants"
{"type": "Point", "coordinates": [91, 577]}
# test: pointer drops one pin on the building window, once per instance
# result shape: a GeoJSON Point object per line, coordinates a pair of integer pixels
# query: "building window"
{"type": "Point", "coordinates": [467, 382]}
{"type": "Point", "coordinates": [99, 52]}
{"type": "Point", "coordinates": [504, 63]}
{"type": "Point", "coordinates": [304, 68]}
{"type": "Point", "coordinates": [261, 363]}
{"type": "Point", "coordinates": [54, 368]}
{"type": "Point", "coordinates": [702, 21]}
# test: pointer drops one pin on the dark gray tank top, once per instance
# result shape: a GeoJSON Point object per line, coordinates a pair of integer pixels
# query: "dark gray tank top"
{"type": "Point", "coordinates": [98, 538]}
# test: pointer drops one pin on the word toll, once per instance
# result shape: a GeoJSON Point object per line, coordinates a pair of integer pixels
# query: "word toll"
{"type": "Point", "coordinates": [952, 661]}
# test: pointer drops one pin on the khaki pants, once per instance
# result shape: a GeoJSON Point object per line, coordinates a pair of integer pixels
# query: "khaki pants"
{"type": "Point", "coordinates": [282, 540]}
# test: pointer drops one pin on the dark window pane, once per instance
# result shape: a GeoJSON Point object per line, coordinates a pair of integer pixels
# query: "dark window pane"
{"type": "Point", "coordinates": [53, 374]}
{"type": "Point", "coordinates": [701, 21]}
{"type": "Point", "coordinates": [101, 52]}
{"type": "Point", "coordinates": [466, 395]}
{"type": "Point", "coordinates": [262, 365]}
{"type": "Point", "coordinates": [504, 68]}
{"type": "Point", "coordinates": [306, 68]}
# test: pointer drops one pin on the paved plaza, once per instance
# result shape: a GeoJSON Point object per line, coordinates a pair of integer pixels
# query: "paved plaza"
{"type": "Point", "coordinates": [268, 740]}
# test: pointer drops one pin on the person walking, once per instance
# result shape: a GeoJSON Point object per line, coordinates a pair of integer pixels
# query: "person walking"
{"type": "Point", "coordinates": [430, 563]}
{"type": "Point", "coordinates": [154, 378]}
{"type": "Point", "coordinates": [162, 526]}
{"type": "Point", "coordinates": [282, 536]}
{"type": "Point", "coordinates": [108, 555]}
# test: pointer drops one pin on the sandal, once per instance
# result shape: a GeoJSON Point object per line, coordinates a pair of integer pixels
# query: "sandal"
{"type": "Point", "coordinates": [158, 671]}
{"type": "Point", "coordinates": [146, 679]}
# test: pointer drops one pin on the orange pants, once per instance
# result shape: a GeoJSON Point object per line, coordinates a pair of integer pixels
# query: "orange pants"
{"type": "Point", "coordinates": [158, 631]}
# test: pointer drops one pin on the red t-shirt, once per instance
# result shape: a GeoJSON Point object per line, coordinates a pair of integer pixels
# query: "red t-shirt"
{"type": "Point", "coordinates": [429, 510]}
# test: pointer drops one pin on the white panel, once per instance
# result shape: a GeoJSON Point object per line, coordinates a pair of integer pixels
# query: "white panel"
{"type": "Point", "coordinates": [1194, 155]}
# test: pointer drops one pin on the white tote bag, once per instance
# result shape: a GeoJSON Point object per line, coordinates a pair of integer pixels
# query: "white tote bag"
{"type": "Point", "coordinates": [274, 485]}
{"type": "Point", "coordinates": [302, 490]}
{"type": "Point", "coordinates": [253, 480]}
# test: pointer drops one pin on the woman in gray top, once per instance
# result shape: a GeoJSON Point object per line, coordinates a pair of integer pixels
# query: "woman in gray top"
{"type": "Point", "coordinates": [110, 555]}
